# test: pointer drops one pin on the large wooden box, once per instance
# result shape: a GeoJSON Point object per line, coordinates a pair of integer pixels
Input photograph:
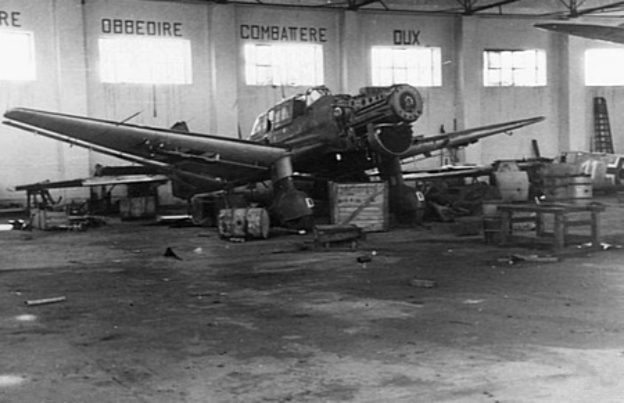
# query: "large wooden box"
{"type": "Point", "coordinates": [137, 207]}
{"type": "Point", "coordinates": [47, 220]}
{"type": "Point", "coordinates": [361, 204]}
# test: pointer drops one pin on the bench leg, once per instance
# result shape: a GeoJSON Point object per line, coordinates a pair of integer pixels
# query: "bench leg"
{"type": "Point", "coordinates": [595, 230]}
{"type": "Point", "coordinates": [505, 230]}
{"type": "Point", "coordinates": [539, 224]}
{"type": "Point", "coordinates": [559, 233]}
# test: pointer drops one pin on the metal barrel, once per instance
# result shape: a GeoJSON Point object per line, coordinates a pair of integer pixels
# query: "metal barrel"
{"type": "Point", "coordinates": [243, 223]}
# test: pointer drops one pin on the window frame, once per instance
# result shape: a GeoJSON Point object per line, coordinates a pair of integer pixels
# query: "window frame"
{"type": "Point", "coordinates": [510, 71]}
{"type": "Point", "coordinates": [615, 64]}
{"type": "Point", "coordinates": [126, 62]}
{"type": "Point", "coordinates": [429, 75]}
{"type": "Point", "coordinates": [27, 72]}
{"type": "Point", "coordinates": [276, 63]}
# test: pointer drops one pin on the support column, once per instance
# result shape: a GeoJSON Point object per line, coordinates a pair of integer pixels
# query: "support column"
{"type": "Point", "coordinates": [575, 105]}
{"type": "Point", "coordinates": [468, 92]}
{"type": "Point", "coordinates": [224, 57]}
{"type": "Point", "coordinates": [355, 62]}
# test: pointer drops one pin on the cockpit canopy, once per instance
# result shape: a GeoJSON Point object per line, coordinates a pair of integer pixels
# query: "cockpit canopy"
{"type": "Point", "coordinates": [286, 111]}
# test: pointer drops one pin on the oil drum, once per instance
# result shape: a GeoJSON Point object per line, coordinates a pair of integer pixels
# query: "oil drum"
{"type": "Point", "coordinates": [244, 223]}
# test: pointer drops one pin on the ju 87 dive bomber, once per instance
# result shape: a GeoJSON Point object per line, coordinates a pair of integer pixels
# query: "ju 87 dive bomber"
{"type": "Point", "coordinates": [316, 134]}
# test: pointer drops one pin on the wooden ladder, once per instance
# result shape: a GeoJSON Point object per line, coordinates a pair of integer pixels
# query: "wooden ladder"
{"type": "Point", "coordinates": [603, 143]}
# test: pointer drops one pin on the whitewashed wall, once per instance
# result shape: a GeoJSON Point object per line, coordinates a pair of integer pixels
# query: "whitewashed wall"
{"type": "Point", "coordinates": [60, 85]}
{"type": "Point", "coordinates": [219, 101]}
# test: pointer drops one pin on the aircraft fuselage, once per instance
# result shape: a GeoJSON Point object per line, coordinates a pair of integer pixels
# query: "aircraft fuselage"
{"type": "Point", "coordinates": [323, 130]}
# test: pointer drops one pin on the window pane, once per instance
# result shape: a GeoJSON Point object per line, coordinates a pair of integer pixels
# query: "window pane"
{"type": "Point", "coordinates": [416, 66]}
{"type": "Point", "coordinates": [604, 67]}
{"type": "Point", "coordinates": [505, 68]}
{"type": "Point", "coordinates": [283, 64]}
{"type": "Point", "coordinates": [20, 63]}
{"type": "Point", "coordinates": [145, 61]}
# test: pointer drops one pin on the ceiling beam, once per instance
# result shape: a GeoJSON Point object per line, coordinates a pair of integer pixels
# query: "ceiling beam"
{"type": "Point", "coordinates": [599, 9]}
{"type": "Point", "coordinates": [470, 10]}
{"type": "Point", "coordinates": [354, 5]}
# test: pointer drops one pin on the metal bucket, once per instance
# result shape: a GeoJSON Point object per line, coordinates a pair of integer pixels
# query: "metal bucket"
{"type": "Point", "coordinates": [244, 223]}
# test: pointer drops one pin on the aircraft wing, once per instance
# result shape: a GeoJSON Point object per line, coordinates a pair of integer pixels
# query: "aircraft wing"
{"type": "Point", "coordinates": [216, 161]}
{"type": "Point", "coordinates": [449, 172]}
{"type": "Point", "coordinates": [591, 31]}
{"type": "Point", "coordinates": [425, 145]}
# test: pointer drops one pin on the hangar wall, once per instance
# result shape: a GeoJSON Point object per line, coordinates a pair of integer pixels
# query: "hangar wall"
{"type": "Point", "coordinates": [491, 104]}
{"type": "Point", "coordinates": [253, 100]}
{"type": "Point", "coordinates": [614, 97]}
{"type": "Point", "coordinates": [60, 86]}
{"type": "Point", "coordinates": [218, 101]}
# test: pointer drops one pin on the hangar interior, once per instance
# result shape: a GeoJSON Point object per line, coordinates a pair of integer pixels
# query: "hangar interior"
{"type": "Point", "coordinates": [444, 311]}
{"type": "Point", "coordinates": [213, 93]}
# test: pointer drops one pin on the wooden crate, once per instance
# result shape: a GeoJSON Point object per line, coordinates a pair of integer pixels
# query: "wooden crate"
{"type": "Point", "coordinates": [137, 207]}
{"type": "Point", "coordinates": [327, 235]}
{"type": "Point", "coordinates": [47, 220]}
{"type": "Point", "coordinates": [361, 204]}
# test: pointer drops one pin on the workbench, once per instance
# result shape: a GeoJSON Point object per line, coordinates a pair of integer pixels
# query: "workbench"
{"type": "Point", "coordinates": [565, 216]}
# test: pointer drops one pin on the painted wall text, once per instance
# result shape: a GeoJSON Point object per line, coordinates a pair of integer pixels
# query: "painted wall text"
{"type": "Point", "coordinates": [404, 37]}
{"type": "Point", "coordinates": [10, 19]}
{"type": "Point", "coordinates": [141, 27]}
{"type": "Point", "coordinates": [279, 33]}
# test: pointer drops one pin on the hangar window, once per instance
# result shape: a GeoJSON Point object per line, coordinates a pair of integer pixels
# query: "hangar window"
{"type": "Point", "coordinates": [604, 67]}
{"type": "Point", "coordinates": [283, 64]}
{"type": "Point", "coordinates": [145, 61]}
{"type": "Point", "coordinates": [20, 66]}
{"type": "Point", "coordinates": [514, 68]}
{"type": "Point", "coordinates": [421, 67]}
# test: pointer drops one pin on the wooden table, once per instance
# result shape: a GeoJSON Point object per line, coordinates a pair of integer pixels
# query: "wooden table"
{"type": "Point", "coordinates": [565, 217]}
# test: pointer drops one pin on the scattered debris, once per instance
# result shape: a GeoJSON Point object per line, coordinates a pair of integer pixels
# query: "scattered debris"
{"type": "Point", "coordinates": [327, 235]}
{"type": "Point", "coordinates": [20, 224]}
{"type": "Point", "coordinates": [535, 258]}
{"type": "Point", "coordinates": [201, 294]}
{"type": "Point", "coordinates": [44, 301]}
{"type": "Point", "coordinates": [423, 283]}
{"type": "Point", "coordinates": [173, 219]}
{"type": "Point", "coordinates": [275, 231]}
{"type": "Point", "coordinates": [518, 258]}
{"type": "Point", "coordinates": [364, 258]}
{"type": "Point", "coordinates": [473, 301]}
{"type": "Point", "coordinates": [26, 318]}
{"type": "Point", "coordinates": [11, 380]}
{"type": "Point", "coordinates": [170, 253]}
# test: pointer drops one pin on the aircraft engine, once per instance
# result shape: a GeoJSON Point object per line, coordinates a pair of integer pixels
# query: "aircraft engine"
{"type": "Point", "coordinates": [406, 103]}
{"type": "Point", "coordinates": [390, 140]}
{"type": "Point", "coordinates": [400, 103]}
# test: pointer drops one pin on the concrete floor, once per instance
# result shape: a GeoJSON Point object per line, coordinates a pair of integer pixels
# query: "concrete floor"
{"type": "Point", "coordinates": [277, 321]}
